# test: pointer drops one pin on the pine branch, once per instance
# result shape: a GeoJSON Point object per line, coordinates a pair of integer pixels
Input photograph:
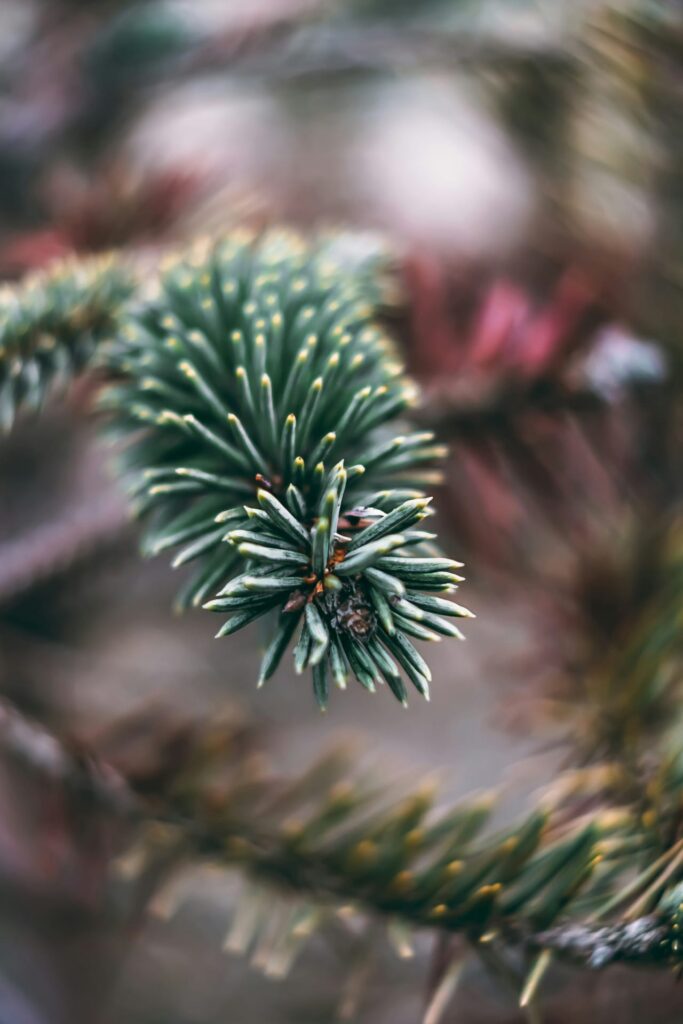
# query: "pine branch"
{"type": "Point", "coordinates": [260, 397]}
{"type": "Point", "coordinates": [589, 890]}
{"type": "Point", "coordinates": [644, 941]}
{"type": "Point", "coordinates": [249, 374]}
{"type": "Point", "coordinates": [50, 326]}
{"type": "Point", "coordinates": [443, 873]}
{"type": "Point", "coordinates": [593, 888]}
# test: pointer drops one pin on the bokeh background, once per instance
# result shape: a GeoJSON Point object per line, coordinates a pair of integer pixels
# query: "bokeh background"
{"type": "Point", "coordinates": [524, 160]}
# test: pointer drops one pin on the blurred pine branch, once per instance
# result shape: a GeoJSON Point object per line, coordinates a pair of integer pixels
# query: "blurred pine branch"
{"type": "Point", "coordinates": [51, 326]}
{"type": "Point", "coordinates": [593, 886]}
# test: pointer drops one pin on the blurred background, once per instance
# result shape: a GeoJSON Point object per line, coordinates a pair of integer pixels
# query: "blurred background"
{"type": "Point", "coordinates": [525, 160]}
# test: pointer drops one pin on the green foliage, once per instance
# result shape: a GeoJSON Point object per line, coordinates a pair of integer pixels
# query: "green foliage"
{"type": "Point", "coordinates": [430, 869]}
{"type": "Point", "coordinates": [51, 325]}
{"type": "Point", "coordinates": [593, 887]}
{"type": "Point", "coordinates": [260, 395]}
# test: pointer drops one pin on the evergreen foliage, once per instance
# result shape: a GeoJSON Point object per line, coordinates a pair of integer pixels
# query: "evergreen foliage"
{"type": "Point", "coordinates": [51, 325]}
{"type": "Point", "coordinates": [260, 396]}
{"type": "Point", "coordinates": [593, 886]}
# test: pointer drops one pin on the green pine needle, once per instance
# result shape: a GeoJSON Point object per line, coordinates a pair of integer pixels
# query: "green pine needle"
{"type": "Point", "coordinates": [51, 326]}
{"type": "Point", "coordinates": [258, 390]}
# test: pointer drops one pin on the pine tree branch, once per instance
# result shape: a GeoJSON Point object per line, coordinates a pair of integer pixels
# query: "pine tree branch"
{"type": "Point", "coordinates": [336, 550]}
{"type": "Point", "coordinates": [260, 396]}
{"type": "Point", "coordinates": [257, 389]}
{"type": "Point", "coordinates": [449, 875]}
{"type": "Point", "coordinates": [541, 884]}
{"type": "Point", "coordinates": [50, 326]}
